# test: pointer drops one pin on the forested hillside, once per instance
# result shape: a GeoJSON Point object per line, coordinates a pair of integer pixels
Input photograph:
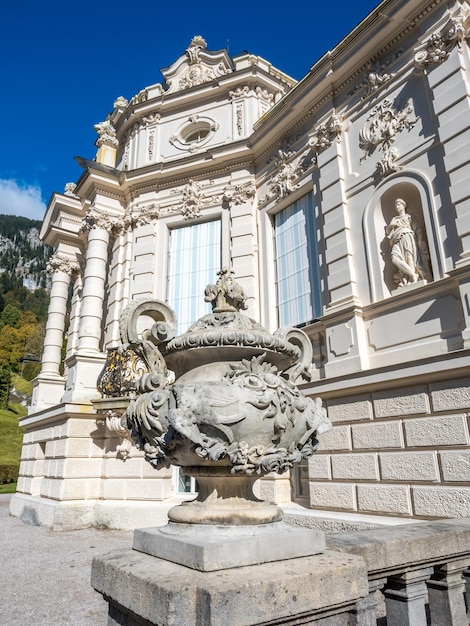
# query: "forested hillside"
{"type": "Point", "coordinates": [24, 296]}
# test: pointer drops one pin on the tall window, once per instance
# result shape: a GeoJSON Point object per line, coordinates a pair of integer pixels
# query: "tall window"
{"type": "Point", "coordinates": [298, 284]}
{"type": "Point", "coordinates": [194, 261]}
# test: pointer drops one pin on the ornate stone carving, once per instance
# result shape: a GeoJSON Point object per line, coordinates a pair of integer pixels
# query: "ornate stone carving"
{"type": "Point", "coordinates": [98, 219]}
{"type": "Point", "coordinates": [59, 263]}
{"type": "Point", "coordinates": [324, 135]}
{"type": "Point", "coordinates": [438, 47]}
{"type": "Point", "coordinates": [265, 95]}
{"type": "Point", "coordinates": [232, 408]}
{"type": "Point", "coordinates": [192, 200]}
{"type": "Point", "coordinates": [121, 103]}
{"type": "Point", "coordinates": [113, 424]}
{"type": "Point", "coordinates": [199, 72]}
{"type": "Point", "coordinates": [284, 180]}
{"type": "Point", "coordinates": [380, 130]}
{"type": "Point", "coordinates": [376, 76]}
{"type": "Point", "coordinates": [409, 249]}
{"type": "Point", "coordinates": [238, 194]}
{"type": "Point", "coordinates": [142, 96]}
{"type": "Point", "coordinates": [239, 92]}
{"type": "Point", "coordinates": [69, 190]}
{"type": "Point", "coordinates": [106, 135]}
{"type": "Point", "coordinates": [116, 225]}
{"type": "Point", "coordinates": [226, 295]}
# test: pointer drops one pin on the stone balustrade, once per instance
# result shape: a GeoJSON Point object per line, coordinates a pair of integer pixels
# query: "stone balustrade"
{"type": "Point", "coordinates": [419, 574]}
{"type": "Point", "coordinates": [407, 575]}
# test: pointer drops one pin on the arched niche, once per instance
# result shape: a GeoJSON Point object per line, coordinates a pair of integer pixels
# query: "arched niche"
{"type": "Point", "coordinates": [415, 190]}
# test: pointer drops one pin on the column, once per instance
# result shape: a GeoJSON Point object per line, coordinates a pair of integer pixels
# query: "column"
{"type": "Point", "coordinates": [405, 596]}
{"type": "Point", "coordinates": [91, 313]}
{"type": "Point", "coordinates": [62, 272]}
{"type": "Point", "coordinates": [446, 590]}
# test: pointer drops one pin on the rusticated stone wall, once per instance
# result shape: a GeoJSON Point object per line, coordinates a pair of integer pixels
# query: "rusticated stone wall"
{"type": "Point", "coordinates": [397, 452]}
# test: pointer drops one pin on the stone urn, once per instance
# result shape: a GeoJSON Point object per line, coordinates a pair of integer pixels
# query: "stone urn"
{"type": "Point", "coordinates": [220, 401]}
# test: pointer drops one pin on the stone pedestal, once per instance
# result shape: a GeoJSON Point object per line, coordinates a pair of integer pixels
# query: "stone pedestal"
{"type": "Point", "coordinates": [142, 589]}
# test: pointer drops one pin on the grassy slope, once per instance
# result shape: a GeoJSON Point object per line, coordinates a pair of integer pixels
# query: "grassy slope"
{"type": "Point", "coordinates": [11, 435]}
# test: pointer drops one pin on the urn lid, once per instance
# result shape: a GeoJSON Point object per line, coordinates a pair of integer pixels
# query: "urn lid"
{"type": "Point", "coordinates": [226, 334]}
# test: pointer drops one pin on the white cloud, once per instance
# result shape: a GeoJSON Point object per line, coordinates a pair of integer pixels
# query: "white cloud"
{"type": "Point", "coordinates": [21, 199]}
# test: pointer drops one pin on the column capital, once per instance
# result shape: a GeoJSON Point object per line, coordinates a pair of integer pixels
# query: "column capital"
{"type": "Point", "coordinates": [60, 263]}
{"type": "Point", "coordinates": [99, 219]}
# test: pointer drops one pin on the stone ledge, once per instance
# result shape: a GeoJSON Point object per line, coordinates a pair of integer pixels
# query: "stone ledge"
{"type": "Point", "coordinates": [168, 594]}
{"type": "Point", "coordinates": [413, 545]}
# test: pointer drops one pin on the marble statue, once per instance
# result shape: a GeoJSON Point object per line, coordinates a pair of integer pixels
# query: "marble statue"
{"type": "Point", "coordinates": [409, 251]}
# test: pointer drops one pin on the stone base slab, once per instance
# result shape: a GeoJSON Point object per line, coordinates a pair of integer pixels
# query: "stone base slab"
{"type": "Point", "coordinates": [142, 589]}
{"type": "Point", "coordinates": [209, 548]}
{"type": "Point", "coordinates": [76, 514]}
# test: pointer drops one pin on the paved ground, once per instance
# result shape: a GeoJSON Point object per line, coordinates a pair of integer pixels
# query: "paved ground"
{"type": "Point", "coordinates": [45, 574]}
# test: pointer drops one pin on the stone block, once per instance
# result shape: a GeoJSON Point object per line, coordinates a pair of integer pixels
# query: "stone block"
{"type": "Point", "coordinates": [332, 495]}
{"type": "Point", "coordinates": [451, 395]}
{"type": "Point", "coordinates": [210, 548]}
{"type": "Point", "coordinates": [401, 402]}
{"type": "Point", "coordinates": [452, 90]}
{"type": "Point", "coordinates": [440, 72]}
{"type": "Point", "coordinates": [146, 489]}
{"type": "Point", "coordinates": [455, 465]}
{"type": "Point", "coordinates": [409, 466]}
{"type": "Point", "coordinates": [82, 427]}
{"type": "Point", "coordinates": [393, 499]}
{"type": "Point", "coordinates": [454, 120]}
{"type": "Point", "coordinates": [448, 430]}
{"type": "Point", "coordinates": [338, 438]}
{"type": "Point", "coordinates": [114, 489]}
{"type": "Point", "coordinates": [441, 501]}
{"type": "Point", "coordinates": [350, 409]}
{"type": "Point", "coordinates": [275, 488]}
{"type": "Point", "coordinates": [286, 591]}
{"type": "Point", "coordinates": [376, 436]}
{"type": "Point", "coordinates": [81, 468]}
{"type": "Point", "coordinates": [319, 466]}
{"type": "Point", "coordinates": [355, 466]}
{"type": "Point", "coordinates": [114, 467]}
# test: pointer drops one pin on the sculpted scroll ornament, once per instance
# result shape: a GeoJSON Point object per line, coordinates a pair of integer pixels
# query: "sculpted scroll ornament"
{"type": "Point", "coordinates": [284, 180]}
{"type": "Point", "coordinates": [238, 194]}
{"type": "Point", "coordinates": [438, 47]}
{"type": "Point", "coordinates": [380, 130]}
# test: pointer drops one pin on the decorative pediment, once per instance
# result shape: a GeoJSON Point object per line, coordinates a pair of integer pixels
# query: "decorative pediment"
{"type": "Point", "coordinates": [197, 66]}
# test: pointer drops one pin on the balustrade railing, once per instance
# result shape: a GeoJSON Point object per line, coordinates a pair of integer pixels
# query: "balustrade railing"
{"type": "Point", "coordinates": [419, 574]}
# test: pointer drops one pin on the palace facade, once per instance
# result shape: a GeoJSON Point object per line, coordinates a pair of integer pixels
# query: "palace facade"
{"type": "Point", "coordinates": [341, 202]}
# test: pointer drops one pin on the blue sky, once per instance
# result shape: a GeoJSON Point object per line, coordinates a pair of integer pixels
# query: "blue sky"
{"type": "Point", "coordinates": [63, 65]}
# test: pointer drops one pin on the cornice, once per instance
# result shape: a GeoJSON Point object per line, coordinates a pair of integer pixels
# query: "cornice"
{"type": "Point", "coordinates": [326, 67]}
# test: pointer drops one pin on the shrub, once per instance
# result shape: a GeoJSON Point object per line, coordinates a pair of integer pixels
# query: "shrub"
{"type": "Point", "coordinates": [9, 473]}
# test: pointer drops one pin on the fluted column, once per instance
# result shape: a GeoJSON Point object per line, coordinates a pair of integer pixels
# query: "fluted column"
{"type": "Point", "coordinates": [99, 227]}
{"type": "Point", "coordinates": [63, 269]}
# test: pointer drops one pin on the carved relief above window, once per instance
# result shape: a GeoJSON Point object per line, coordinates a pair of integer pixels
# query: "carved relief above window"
{"type": "Point", "coordinates": [285, 178]}
{"type": "Point", "coordinates": [380, 130]}
{"type": "Point", "coordinates": [194, 133]}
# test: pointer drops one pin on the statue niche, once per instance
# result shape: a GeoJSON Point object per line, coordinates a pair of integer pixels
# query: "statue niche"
{"type": "Point", "coordinates": [409, 251]}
